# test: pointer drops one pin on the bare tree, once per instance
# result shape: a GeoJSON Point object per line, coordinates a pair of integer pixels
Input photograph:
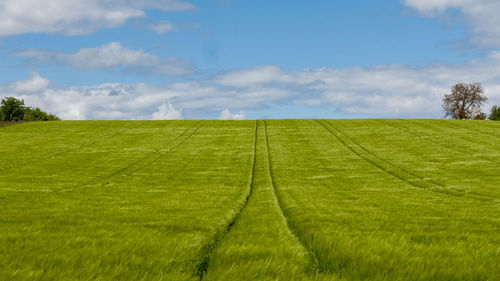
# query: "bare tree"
{"type": "Point", "coordinates": [465, 101]}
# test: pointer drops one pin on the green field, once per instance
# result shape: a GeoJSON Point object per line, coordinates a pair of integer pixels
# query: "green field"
{"type": "Point", "coordinates": [250, 200]}
{"type": "Point", "coordinates": [5, 123]}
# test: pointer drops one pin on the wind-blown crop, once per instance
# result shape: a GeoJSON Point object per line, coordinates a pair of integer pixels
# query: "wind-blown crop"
{"type": "Point", "coordinates": [250, 200]}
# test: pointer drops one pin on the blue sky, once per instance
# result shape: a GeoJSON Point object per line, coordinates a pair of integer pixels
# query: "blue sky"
{"type": "Point", "coordinates": [235, 59]}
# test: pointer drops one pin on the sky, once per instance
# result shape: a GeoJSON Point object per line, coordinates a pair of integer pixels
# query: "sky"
{"type": "Point", "coordinates": [238, 59]}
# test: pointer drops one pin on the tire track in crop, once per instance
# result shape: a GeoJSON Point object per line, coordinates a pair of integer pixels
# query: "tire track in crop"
{"type": "Point", "coordinates": [453, 148]}
{"type": "Point", "coordinates": [439, 127]}
{"type": "Point", "coordinates": [94, 141]}
{"type": "Point", "coordinates": [185, 165]}
{"type": "Point", "coordinates": [142, 161]}
{"type": "Point", "coordinates": [317, 264]}
{"type": "Point", "coordinates": [207, 249]}
{"type": "Point", "coordinates": [159, 153]}
{"type": "Point", "coordinates": [371, 153]}
{"type": "Point", "coordinates": [475, 130]}
{"type": "Point", "coordinates": [395, 171]}
{"type": "Point", "coordinates": [64, 151]}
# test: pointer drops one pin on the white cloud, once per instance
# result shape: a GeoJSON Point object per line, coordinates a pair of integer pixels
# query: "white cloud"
{"type": "Point", "coordinates": [111, 55]}
{"type": "Point", "coordinates": [250, 76]}
{"type": "Point", "coordinates": [384, 91]}
{"type": "Point", "coordinates": [393, 90]}
{"type": "Point", "coordinates": [162, 27]}
{"type": "Point", "coordinates": [167, 112]}
{"type": "Point", "coordinates": [481, 16]}
{"type": "Point", "coordinates": [227, 115]}
{"type": "Point", "coordinates": [390, 90]}
{"type": "Point", "coordinates": [198, 99]}
{"type": "Point", "coordinates": [75, 17]}
{"type": "Point", "coordinates": [163, 5]}
{"type": "Point", "coordinates": [432, 6]}
{"type": "Point", "coordinates": [34, 83]}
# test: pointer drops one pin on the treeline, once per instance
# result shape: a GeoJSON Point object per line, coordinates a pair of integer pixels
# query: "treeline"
{"type": "Point", "coordinates": [12, 109]}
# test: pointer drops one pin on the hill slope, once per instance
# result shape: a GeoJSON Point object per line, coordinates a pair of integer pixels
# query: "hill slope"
{"type": "Point", "coordinates": [250, 200]}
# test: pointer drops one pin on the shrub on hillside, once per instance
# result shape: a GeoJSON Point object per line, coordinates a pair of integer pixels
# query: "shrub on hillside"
{"type": "Point", "coordinates": [495, 113]}
{"type": "Point", "coordinates": [12, 109]}
{"type": "Point", "coordinates": [36, 114]}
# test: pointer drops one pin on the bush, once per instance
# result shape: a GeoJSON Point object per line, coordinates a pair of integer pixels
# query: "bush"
{"type": "Point", "coordinates": [12, 109]}
{"type": "Point", "coordinates": [495, 113]}
{"type": "Point", "coordinates": [36, 114]}
{"type": "Point", "coordinates": [480, 116]}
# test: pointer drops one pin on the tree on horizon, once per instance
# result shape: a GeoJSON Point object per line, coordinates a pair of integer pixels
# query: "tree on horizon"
{"type": "Point", "coordinates": [13, 109]}
{"type": "Point", "coordinates": [465, 101]}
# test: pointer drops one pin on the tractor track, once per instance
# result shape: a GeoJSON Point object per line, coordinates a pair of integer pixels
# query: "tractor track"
{"type": "Point", "coordinates": [475, 131]}
{"type": "Point", "coordinates": [453, 148]}
{"type": "Point", "coordinates": [65, 151]}
{"type": "Point", "coordinates": [439, 127]}
{"type": "Point", "coordinates": [420, 136]}
{"type": "Point", "coordinates": [316, 265]}
{"type": "Point", "coordinates": [395, 171]}
{"type": "Point", "coordinates": [52, 155]}
{"type": "Point", "coordinates": [206, 250]}
{"type": "Point", "coordinates": [143, 161]}
{"type": "Point", "coordinates": [183, 167]}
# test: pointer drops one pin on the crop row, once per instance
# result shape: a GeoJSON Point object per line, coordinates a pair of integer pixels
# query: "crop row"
{"type": "Point", "coordinates": [251, 200]}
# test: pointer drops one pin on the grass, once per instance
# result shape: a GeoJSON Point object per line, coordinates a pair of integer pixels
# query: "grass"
{"type": "Point", "coordinates": [250, 200]}
{"type": "Point", "coordinates": [7, 123]}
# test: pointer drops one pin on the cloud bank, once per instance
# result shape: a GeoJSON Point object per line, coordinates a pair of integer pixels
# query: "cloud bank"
{"type": "Point", "coordinates": [162, 27]}
{"type": "Point", "coordinates": [226, 114]}
{"type": "Point", "coordinates": [167, 112]}
{"type": "Point", "coordinates": [383, 91]}
{"type": "Point", "coordinates": [112, 55]}
{"type": "Point", "coordinates": [75, 17]}
{"type": "Point", "coordinates": [480, 15]}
